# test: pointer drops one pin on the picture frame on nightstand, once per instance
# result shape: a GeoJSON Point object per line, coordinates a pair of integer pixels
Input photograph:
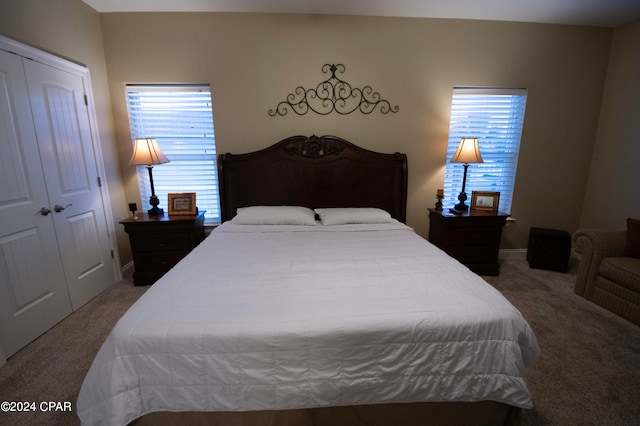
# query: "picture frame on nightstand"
{"type": "Point", "coordinates": [182, 204]}
{"type": "Point", "coordinates": [487, 201]}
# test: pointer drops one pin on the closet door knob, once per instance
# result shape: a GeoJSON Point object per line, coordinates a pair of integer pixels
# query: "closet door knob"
{"type": "Point", "coordinates": [58, 208]}
{"type": "Point", "coordinates": [43, 211]}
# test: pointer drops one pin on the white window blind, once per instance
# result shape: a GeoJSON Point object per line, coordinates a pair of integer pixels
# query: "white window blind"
{"type": "Point", "coordinates": [495, 116]}
{"type": "Point", "coordinates": [180, 118]}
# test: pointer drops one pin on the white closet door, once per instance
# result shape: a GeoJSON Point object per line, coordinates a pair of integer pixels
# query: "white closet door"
{"type": "Point", "coordinates": [64, 136]}
{"type": "Point", "coordinates": [33, 291]}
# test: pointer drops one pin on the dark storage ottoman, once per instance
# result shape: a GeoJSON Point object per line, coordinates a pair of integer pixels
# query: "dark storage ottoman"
{"type": "Point", "coordinates": [549, 249]}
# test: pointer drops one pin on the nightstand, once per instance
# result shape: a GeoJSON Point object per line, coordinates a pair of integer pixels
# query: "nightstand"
{"type": "Point", "coordinates": [159, 242]}
{"type": "Point", "coordinates": [473, 237]}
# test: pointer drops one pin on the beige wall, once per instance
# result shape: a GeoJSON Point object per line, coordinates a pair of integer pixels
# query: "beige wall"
{"type": "Point", "coordinates": [253, 61]}
{"type": "Point", "coordinates": [613, 191]}
{"type": "Point", "coordinates": [71, 29]}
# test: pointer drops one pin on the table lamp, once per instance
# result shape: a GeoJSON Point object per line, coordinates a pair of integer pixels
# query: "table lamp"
{"type": "Point", "coordinates": [466, 153]}
{"type": "Point", "coordinates": [147, 153]}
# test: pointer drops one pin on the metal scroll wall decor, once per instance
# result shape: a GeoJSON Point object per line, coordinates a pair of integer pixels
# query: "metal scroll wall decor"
{"type": "Point", "coordinates": [333, 94]}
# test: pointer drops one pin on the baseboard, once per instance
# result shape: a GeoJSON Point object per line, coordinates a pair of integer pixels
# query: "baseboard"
{"type": "Point", "coordinates": [127, 270]}
{"type": "Point", "coordinates": [520, 250]}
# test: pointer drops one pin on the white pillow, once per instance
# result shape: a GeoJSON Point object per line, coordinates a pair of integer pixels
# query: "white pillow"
{"type": "Point", "coordinates": [274, 215]}
{"type": "Point", "coordinates": [342, 216]}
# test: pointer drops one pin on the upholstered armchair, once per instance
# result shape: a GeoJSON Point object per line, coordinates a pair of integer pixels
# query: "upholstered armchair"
{"type": "Point", "coordinates": [609, 270]}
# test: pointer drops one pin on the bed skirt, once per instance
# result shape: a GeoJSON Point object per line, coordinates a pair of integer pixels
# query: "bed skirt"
{"type": "Point", "coordinates": [412, 414]}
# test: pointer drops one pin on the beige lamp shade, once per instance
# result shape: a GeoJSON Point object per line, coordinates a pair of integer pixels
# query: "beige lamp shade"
{"type": "Point", "coordinates": [467, 152]}
{"type": "Point", "coordinates": [146, 152]}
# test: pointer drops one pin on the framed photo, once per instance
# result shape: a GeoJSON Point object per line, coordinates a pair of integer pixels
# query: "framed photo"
{"type": "Point", "coordinates": [182, 204]}
{"type": "Point", "coordinates": [485, 201]}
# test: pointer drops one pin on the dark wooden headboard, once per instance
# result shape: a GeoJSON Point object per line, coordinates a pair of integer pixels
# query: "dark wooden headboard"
{"type": "Point", "coordinates": [313, 172]}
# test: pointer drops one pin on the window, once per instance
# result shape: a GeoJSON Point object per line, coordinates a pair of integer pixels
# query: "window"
{"type": "Point", "coordinates": [494, 116]}
{"type": "Point", "coordinates": [180, 118]}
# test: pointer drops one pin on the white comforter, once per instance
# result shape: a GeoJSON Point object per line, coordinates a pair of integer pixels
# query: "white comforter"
{"type": "Point", "coordinates": [262, 318]}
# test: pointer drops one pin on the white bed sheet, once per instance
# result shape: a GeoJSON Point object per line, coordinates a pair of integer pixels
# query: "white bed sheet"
{"type": "Point", "coordinates": [285, 317]}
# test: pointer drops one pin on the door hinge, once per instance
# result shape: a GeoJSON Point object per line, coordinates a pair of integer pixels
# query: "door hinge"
{"type": "Point", "coordinates": [86, 100]}
{"type": "Point", "coordinates": [99, 182]}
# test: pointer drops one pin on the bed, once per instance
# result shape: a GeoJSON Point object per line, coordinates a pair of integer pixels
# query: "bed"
{"type": "Point", "coordinates": [314, 304]}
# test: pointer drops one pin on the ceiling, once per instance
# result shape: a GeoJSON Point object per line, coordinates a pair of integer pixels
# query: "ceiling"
{"type": "Point", "coordinates": [600, 13]}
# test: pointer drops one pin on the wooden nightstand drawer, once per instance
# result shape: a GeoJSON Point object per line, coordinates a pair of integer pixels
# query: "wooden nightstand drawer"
{"type": "Point", "coordinates": [159, 242]}
{"type": "Point", "coordinates": [473, 238]}
{"type": "Point", "coordinates": [476, 237]}
{"type": "Point", "coordinates": [162, 261]}
{"type": "Point", "coordinates": [470, 254]}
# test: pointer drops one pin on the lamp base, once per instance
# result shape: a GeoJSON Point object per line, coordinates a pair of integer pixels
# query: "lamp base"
{"type": "Point", "coordinates": [461, 206]}
{"type": "Point", "coordinates": [155, 211]}
{"type": "Point", "coordinates": [153, 200]}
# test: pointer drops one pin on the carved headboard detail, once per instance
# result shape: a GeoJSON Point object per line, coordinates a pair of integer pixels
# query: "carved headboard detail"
{"type": "Point", "coordinates": [314, 172]}
{"type": "Point", "coordinates": [313, 147]}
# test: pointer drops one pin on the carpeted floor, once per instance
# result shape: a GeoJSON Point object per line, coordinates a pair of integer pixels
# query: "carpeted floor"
{"type": "Point", "coordinates": [587, 373]}
{"type": "Point", "coordinates": [52, 367]}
